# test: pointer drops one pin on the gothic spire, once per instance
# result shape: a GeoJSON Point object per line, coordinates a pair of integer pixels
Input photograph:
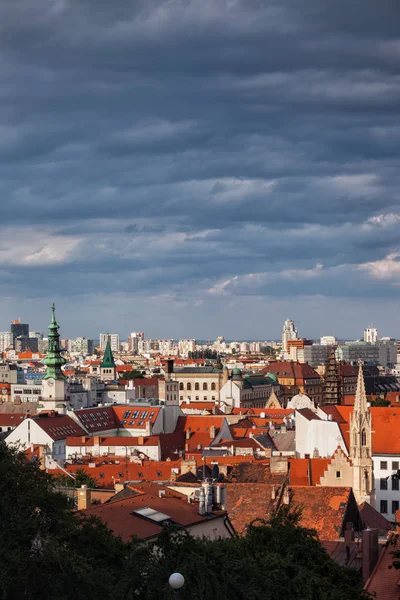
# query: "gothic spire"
{"type": "Point", "coordinates": [54, 360]}
{"type": "Point", "coordinates": [360, 402]}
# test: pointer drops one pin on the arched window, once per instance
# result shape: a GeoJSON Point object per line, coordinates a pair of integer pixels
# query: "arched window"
{"type": "Point", "coordinates": [189, 386]}
{"type": "Point", "coordinates": [213, 386]}
{"type": "Point", "coordinates": [181, 386]}
{"type": "Point", "coordinates": [363, 438]}
{"type": "Point", "coordinates": [205, 386]}
{"type": "Point", "coordinates": [196, 386]}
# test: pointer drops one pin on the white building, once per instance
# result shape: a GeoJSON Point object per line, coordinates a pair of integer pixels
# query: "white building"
{"type": "Point", "coordinates": [113, 338]}
{"type": "Point", "coordinates": [371, 335]}
{"type": "Point", "coordinates": [166, 347]}
{"type": "Point", "coordinates": [5, 340]}
{"type": "Point", "coordinates": [289, 332]}
{"type": "Point", "coordinates": [145, 346]}
{"type": "Point", "coordinates": [328, 340]}
{"type": "Point", "coordinates": [133, 341]}
{"type": "Point", "coordinates": [186, 346]}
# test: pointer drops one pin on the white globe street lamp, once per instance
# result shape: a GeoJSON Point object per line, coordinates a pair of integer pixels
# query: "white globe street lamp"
{"type": "Point", "coordinates": [176, 581]}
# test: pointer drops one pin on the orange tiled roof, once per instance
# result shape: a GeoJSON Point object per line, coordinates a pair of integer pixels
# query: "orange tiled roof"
{"type": "Point", "coordinates": [300, 470]}
{"type": "Point", "coordinates": [384, 581]}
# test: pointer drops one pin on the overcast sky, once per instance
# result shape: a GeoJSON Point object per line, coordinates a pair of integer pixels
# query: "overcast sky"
{"type": "Point", "coordinates": [194, 168]}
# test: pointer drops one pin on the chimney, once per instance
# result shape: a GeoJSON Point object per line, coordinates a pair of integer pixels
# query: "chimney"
{"type": "Point", "coordinates": [286, 497]}
{"type": "Point", "coordinates": [273, 493]}
{"type": "Point", "coordinates": [84, 498]}
{"type": "Point", "coordinates": [202, 502]}
{"type": "Point", "coordinates": [188, 433]}
{"type": "Point", "coordinates": [168, 368]}
{"type": "Point", "coordinates": [140, 440]}
{"type": "Point", "coordinates": [212, 432]}
{"type": "Point", "coordinates": [369, 551]}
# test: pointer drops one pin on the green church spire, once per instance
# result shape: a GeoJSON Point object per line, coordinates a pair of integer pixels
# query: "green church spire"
{"type": "Point", "coordinates": [54, 360]}
{"type": "Point", "coordinates": [108, 361]}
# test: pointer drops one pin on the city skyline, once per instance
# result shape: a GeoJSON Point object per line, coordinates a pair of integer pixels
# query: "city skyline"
{"type": "Point", "coordinates": [152, 333]}
{"type": "Point", "coordinates": [198, 168]}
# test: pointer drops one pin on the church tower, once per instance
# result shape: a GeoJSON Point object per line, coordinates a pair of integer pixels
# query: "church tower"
{"type": "Point", "coordinates": [361, 445]}
{"type": "Point", "coordinates": [108, 371]}
{"type": "Point", "coordinates": [53, 383]}
{"type": "Point", "coordinates": [332, 380]}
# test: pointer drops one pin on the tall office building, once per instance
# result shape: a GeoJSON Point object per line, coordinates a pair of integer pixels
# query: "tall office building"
{"type": "Point", "coordinates": [36, 334]}
{"type": "Point", "coordinates": [113, 338]}
{"type": "Point", "coordinates": [18, 329]}
{"type": "Point", "coordinates": [371, 335]}
{"type": "Point", "coordinates": [289, 332]}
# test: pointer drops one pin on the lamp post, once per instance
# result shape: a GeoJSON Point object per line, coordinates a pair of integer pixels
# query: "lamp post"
{"type": "Point", "coordinates": [176, 581]}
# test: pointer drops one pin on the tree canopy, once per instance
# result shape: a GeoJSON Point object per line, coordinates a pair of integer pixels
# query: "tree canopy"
{"type": "Point", "coordinates": [47, 552]}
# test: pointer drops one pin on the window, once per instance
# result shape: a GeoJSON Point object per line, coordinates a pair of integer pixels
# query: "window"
{"type": "Point", "coordinates": [384, 506]}
{"type": "Point", "coordinates": [126, 414]}
{"type": "Point", "coordinates": [363, 438]}
{"type": "Point", "coordinates": [395, 465]}
{"type": "Point", "coordinates": [213, 398]}
{"type": "Point", "coordinates": [205, 387]}
{"type": "Point", "coordinates": [189, 386]}
{"type": "Point", "coordinates": [384, 484]}
{"type": "Point", "coordinates": [197, 386]}
{"type": "Point", "coordinates": [181, 386]}
{"type": "Point", "coordinates": [140, 474]}
{"type": "Point", "coordinates": [159, 473]}
{"type": "Point", "coordinates": [384, 465]}
{"type": "Point", "coordinates": [180, 397]}
{"type": "Point", "coordinates": [338, 474]}
{"type": "Point", "coordinates": [395, 506]}
{"type": "Point", "coordinates": [395, 485]}
{"type": "Point", "coordinates": [197, 398]}
{"type": "Point", "coordinates": [213, 386]}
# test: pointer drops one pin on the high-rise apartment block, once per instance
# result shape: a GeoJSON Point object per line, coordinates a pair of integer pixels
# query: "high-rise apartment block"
{"type": "Point", "coordinates": [5, 340]}
{"type": "Point", "coordinates": [186, 346]}
{"type": "Point", "coordinates": [166, 347]}
{"type": "Point", "coordinates": [113, 338]}
{"type": "Point", "coordinates": [289, 332]}
{"type": "Point", "coordinates": [80, 345]}
{"type": "Point", "coordinates": [133, 341]}
{"type": "Point", "coordinates": [371, 335]}
{"type": "Point", "coordinates": [145, 346]}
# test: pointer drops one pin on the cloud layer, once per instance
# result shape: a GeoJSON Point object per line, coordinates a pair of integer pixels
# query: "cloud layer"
{"type": "Point", "coordinates": [196, 168]}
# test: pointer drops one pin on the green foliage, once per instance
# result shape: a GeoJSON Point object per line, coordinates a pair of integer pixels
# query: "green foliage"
{"type": "Point", "coordinates": [132, 374]}
{"type": "Point", "coordinates": [81, 478]}
{"type": "Point", "coordinates": [268, 350]}
{"type": "Point", "coordinates": [48, 553]}
{"type": "Point", "coordinates": [380, 401]}
{"type": "Point", "coordinates": [272, 561]}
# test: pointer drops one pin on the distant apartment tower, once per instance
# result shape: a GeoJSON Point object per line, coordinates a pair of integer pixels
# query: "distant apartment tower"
{"type": "Point", "coordinates": [186, 346]}
{"type": "Point", "coordinates": [145, 346]}
{"type": "Point", "coordinates": [166, 347]}
{"type": "Point", "coordinates": [328, 340]}
{"type": "Point", "coordinates": [5, 340]}
{"type": "Point", "coordinates": [113, 338]}
{"type": "Point", "coordinates": [371, 335]}
{"type": "Point", "coordinates": [289, 332]}
{"type": "Point", "coordinates": [133, 341]}
{"type": "Point", "coordinates": [18, 329]}
{"type": "Point", "coordinates": [36, 334]}
{"type": "Point", "coordinates": [80, 345]}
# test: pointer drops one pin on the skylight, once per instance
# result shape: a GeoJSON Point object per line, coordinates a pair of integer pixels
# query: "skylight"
{"type": "Point", "coordinates": [153, 515]}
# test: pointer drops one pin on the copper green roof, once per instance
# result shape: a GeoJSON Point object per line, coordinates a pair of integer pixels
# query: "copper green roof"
{"type": "Point", "coordinates": [108, 361]}
{"type": "Point", "coordinates": [54, 361]}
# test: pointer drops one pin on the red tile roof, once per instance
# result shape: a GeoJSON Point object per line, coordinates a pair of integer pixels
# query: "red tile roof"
{"type": "Point", "coordinates": [302, 469]}
{"type": "Point", "coordinates": [384, 581]}
{"type": "Point", "coordinates": [323, 508]}
{"type": "Point", "coordinates": [109, 471]}
{"type": "Point", "coordinates": [11, 419]}
{"type": "Point", "coordinates": [58, 427]}
{"type": "Point", "coordinates": [288, 369]}
{"type": "Point", "coordinates": [121, 518]}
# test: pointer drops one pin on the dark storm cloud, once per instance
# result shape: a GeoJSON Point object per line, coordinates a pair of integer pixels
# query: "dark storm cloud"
{"type": "Point", "coordinates": [199, 152]}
